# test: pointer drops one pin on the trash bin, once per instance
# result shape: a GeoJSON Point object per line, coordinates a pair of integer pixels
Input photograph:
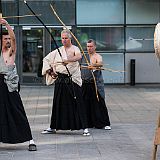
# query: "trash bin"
{"type": "Point", "coordinates": [132, 72]}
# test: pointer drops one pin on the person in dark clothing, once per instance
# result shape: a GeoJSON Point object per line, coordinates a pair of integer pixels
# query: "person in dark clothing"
{"type": "Point", "coordinates": [14, 126]}
{"type": "Point", "coordinates": [97, 112]}
{"type": "Point", "coordinates": [68, 111]}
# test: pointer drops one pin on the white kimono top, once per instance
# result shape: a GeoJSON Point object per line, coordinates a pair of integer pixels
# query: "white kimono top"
{"type": "Point", "coordinates": [53, 60]}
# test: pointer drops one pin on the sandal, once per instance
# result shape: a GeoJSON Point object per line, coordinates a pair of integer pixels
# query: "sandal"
{"type": "Point", "coordinates": [32, 147]}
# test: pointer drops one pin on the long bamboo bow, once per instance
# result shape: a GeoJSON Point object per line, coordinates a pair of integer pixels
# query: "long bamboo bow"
{"type": "Point", "coordinates": [96, 90]}
{"type": "Point", "coordinates": [57, 47]}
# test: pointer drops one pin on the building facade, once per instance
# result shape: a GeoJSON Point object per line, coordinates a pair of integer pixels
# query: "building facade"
{"type": "Point", "coordinates": [123, 30]}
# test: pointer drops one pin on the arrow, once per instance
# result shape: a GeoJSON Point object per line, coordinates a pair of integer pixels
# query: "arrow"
{"type": "Point", "coordinates": [29, 15]}
{"type": "Point", "coordinates": [100, 68]}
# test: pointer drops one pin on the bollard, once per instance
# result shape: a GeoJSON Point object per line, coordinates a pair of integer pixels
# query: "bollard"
{"type": "Point", "coordinates": [132, 72]}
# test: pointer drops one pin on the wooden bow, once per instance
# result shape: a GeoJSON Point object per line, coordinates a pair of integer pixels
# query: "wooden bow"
{"type": "Point", "coordinates": [57, 47]}
{"type": "Point", "coordinates": [96, 90]}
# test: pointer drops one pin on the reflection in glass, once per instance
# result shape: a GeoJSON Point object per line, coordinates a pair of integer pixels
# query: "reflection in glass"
{"type": "Point", "coordinates": [142, 11]}
{"type": "Point", "coordinates": [10, 8]}
{"type": "Point", "coordinates": [114, 62]}
{"type": "Point", "coordinates": [57, 36]}
{"type": "Point", "coordinates": [32, 52]}
{"type": "Point", "coordinates": [100, 12]}
{"type": "Point", "coordinates": [65, 9]}
{"type": "Point", "coordinates": [107, 38]}
{"type": "Point", "coordinates": [140, 39]}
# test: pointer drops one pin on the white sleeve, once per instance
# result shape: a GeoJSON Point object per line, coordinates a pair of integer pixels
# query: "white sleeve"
{"type": "Point", "coordinates": [48, 61]}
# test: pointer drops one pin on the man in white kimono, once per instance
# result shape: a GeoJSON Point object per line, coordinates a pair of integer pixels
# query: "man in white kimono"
{"type": "Point", "coordinates": [62, 66]}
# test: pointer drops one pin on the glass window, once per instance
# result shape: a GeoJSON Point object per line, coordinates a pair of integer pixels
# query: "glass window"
{"type": "Point", "coordinates": [9, 9]}
{"type": "Point", "coordinates": [140, 39]}
{"type": "Point", "coordinates": [113, 62]}
{"type": "Point", "coordinates": [65, 9]}
{"type": "Point", "coordinates": [32, 54]}
{"type": "Point", "coordinates": [142, 11]}
{"type": "Point", "coordinates": [57, 36]}
{"type": "Point", "coordinates": [107, 38]}
{"type": "Point", "coordinates": [100, 12]}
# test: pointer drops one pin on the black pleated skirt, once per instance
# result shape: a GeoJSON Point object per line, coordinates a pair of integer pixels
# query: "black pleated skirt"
{"type": "Point", "coordinates": [97, 113]}
{"type": "Point", "coordinates": [14, 126]}
{"type": "Point", "coordinates": [68, 113]}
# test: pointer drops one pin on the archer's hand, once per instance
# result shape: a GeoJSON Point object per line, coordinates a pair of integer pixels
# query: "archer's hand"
{"type": "Point", "coordinates": [3, 21]}
{"type": "Point", "coordinates": [65, 62]}
{"type": "Point", "coordinates": [90, 67]}
{"type": "Point", "coordinates": [51, 72]}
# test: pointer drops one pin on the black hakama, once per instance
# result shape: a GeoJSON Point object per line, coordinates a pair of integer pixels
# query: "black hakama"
{"type": "Point", "coordinates": [14, 126]}
{"type": "Point", "coordinates": [97, 112]}
{"type": "Point", "coordinates": [68, 113]}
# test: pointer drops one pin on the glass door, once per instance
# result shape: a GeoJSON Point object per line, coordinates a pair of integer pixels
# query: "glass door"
{"type": "Point", "coordinates": [32, 55]}
{"type": "Point", "coordinates": [37, 43]}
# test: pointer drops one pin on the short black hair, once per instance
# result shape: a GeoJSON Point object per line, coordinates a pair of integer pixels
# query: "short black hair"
{"type": "Point", "coordinates": [4, 33]}
{"type": "Point", "coordinates": [92, 40]}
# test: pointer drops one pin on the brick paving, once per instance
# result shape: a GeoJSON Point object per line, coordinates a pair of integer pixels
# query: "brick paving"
{"type": "Point", "coordinates": [133, 112]}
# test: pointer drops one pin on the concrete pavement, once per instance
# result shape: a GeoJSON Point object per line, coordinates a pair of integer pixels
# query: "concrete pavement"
{"type": "Point", "coordinates": [133, 112]}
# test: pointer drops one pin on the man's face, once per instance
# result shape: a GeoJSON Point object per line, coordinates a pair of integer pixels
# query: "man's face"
{"type": "Point", "coordinates": [6, 41]}
{"type": "Point", "coordinates": [65, 40]}
{"type": "Point", "coordinates": [91, 48]}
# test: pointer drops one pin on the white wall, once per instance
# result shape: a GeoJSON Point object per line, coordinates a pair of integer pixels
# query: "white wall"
{"type": "Point", "coordinates": [147, 68]}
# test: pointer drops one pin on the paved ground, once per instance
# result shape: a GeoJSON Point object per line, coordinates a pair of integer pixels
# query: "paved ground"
{"type": "Point", "coordinates": [133, 113]}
